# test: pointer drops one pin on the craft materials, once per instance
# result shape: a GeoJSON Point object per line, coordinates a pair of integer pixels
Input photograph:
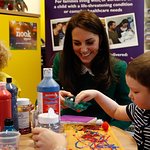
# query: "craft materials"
{"type": "Point", "coordinates": [13, 90]}
{"type": "Point", "coordinates": [90, 137]}
{"type": "Point", "coordinates": [24, 115]}
{"type": "Point", "coordinates": [9, 125]}
{"type": "Point", "coordinates": [49, 120]}
{"type": "Point", "coordinates": [69, 102]}
{"type": "Point", "coordinates": [5, 104]}
{"type": "Point", "coordinates": [48, 93]}
{"type": "Point", "coordinates": [78, 119]}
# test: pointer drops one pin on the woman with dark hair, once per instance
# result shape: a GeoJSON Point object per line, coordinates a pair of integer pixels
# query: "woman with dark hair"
{"type": "Point", "coordinates": [125, 33]}
{"type": "Point", "coordinates": [123, 26]}
{"type": "Point", "coordinates": [56, 33]}
{"type": "Point", "coordinates": [86, 63]}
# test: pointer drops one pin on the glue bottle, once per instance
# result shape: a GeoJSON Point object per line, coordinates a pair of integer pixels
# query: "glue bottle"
{"type": "Point", "coordinates": [49, 120]}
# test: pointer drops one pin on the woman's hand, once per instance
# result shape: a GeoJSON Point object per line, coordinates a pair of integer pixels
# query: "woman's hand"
{"type": "Point", "coordinates": [46, 139]}
{"type": "Point", "coordinates": [64, 94]}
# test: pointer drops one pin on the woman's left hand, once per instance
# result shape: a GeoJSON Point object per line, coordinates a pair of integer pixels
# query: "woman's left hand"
{"type": "Point", "coordinates": [64, 94]}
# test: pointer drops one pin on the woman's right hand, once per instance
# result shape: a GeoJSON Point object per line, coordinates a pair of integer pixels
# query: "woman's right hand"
{"type": "Point", "coordinates": [64, 94]}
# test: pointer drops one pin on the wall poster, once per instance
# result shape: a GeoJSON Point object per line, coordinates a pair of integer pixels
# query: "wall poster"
{"type": "Point", "coordinates": [22, 35]}
{"type": "Point", "coordinates": [130, 43]}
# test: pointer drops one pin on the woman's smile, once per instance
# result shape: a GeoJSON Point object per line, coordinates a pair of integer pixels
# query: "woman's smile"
{"type": "Point", "coordinates": [85, 44]}
{"type": "Point", "coordinates": [85, 53]}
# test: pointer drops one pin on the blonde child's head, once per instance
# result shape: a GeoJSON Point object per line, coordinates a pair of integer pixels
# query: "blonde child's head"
{"type": "Point", "coordinates": [4, 56]}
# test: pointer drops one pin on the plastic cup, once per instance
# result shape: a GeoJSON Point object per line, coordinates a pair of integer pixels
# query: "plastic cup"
{"type": "Point", "coordinates": [9, 140]}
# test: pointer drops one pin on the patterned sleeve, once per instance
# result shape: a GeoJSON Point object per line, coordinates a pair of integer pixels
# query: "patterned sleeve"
{"type": "Point", "coordinates": [130, 111]}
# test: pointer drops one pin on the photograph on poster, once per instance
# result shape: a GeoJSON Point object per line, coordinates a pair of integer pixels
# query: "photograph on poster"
{"type": "Point", "coordinates": [147, 34]}
{"type": "Point", "coordinates": [121, 30]}
{"type": "Point", "coordinates": [58, 29]}
{"type": "Point", "coordinates": [22, 35]}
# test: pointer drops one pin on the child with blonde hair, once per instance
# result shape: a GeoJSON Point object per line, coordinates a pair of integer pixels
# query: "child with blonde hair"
{"type": "Point", "coordinates": [4, 58]}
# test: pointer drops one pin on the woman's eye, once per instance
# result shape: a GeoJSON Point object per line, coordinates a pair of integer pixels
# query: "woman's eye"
{"type": "Point", "coordinates": [90, 42]}
{"type": "Point", "coordinates": [77, 44]}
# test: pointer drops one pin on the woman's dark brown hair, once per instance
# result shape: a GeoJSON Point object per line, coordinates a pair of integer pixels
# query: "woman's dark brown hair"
{"type": "Point", "coordinates": [70, 64]}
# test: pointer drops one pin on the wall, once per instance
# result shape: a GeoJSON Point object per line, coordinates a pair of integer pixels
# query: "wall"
{"type": "Point", "coordinates": [33, 6]}
{"type": "Point", "coordinates": [25, 65]}
{"type": "Point", "coordinates": [42, 18]}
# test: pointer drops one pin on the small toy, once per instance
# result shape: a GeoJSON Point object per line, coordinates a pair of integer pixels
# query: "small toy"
{"type": "Point", "coordinates": [69, 102]}
{"type": "Point", "coordinates": [105, 126]}
{"type": "Point", "coordinates": [18, 5]}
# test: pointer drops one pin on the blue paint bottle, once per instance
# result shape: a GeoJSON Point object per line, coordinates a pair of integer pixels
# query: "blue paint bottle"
{"type": "Point", "coordinates": [48, 93]}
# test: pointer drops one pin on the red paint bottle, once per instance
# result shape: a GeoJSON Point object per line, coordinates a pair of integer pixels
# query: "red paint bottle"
{"type": "Point", "coordinates": [5, 104]}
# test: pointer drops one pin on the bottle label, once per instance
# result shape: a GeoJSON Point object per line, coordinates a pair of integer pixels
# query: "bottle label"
{"type": "Point", "coordinates": [23, 120]}
{"type": "Point", "coordinates": [47, 100]}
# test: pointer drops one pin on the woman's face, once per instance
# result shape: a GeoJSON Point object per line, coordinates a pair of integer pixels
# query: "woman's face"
{"type": "Point", "coordinates": [85, 45]}
{"type": "Point", "coordinates": [139, 94]}
{"type": "Point", "coordinates": [125, 25]}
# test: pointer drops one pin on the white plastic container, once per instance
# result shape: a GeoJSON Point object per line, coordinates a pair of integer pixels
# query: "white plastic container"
{"type": "Point", "coordinates": [49, 120]}
{"type": "Point", "coordinates": [9, 140]}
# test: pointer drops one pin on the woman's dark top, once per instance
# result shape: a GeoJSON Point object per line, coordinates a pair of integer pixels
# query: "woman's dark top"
{"type": "Point", "coordinates": [117, 91]}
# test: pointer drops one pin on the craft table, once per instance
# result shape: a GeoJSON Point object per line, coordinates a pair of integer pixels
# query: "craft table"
{"type": "Point", "coordinates": [126, 140]}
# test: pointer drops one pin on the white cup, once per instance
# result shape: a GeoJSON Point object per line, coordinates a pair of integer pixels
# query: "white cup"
{"type": "Point", "coordinates": [9, 140]}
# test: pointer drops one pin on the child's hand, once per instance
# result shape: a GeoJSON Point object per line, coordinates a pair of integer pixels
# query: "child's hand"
{"type": "Point", "coordinates": [46, 139]}
{"type": "Point", "coordinates": [86, 95]}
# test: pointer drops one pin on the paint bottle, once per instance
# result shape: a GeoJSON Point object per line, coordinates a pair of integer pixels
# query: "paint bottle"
{"type": "Point", "coordinates": [9, 125]}
{"type": "Point", "coordinates": [13, 90]}
{"type": "Point", "coordinates": [23, 105]}
{"type": "Point", "coordinates": [48, 93]}
{"type": "Point", "coordinates": [5, 104]}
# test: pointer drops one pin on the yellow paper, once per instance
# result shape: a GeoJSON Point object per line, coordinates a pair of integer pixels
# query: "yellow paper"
{"type": "Point", "coordinates": [89, 137]}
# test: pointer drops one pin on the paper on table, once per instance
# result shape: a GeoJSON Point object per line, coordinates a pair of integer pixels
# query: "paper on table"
{"type": "Point", "coordinates": [78, 119]}
{"type": "Point", "coordinates": [89, 137]}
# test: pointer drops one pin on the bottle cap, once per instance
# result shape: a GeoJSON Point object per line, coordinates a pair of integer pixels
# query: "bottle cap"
{"type": "Point", "coordinates": [48, 118]}
{"type": "Point", "coordinates": [8, 80]}
{"type": "Point", "coordinates": [23, 101]}
{"type": "Point", "coordinates": [47, 72]}
{"type": "Point", "coordinates": [8, 122]}
{"type": "Point", "coordinates": [3, 84]}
